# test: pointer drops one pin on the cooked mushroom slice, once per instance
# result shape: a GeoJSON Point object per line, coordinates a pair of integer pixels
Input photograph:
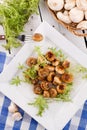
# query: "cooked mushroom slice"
{"type": "Point", "coordinates": [57, 80]}
{"type": "Point", "coordinates": [37, 89]}
{"type": "Point", "coordinates": [45, 85]}
{"type": "Point", "coordinates": [43, 72]}
{"type": "Point", "coordinates": [49, 67]}
{"type": "Point", "coordinates": [50, 76]}
{"type": "Point", "coordinates": [37, 37]}
{"type": "Point", "coordinates": [31, 61]}
{"type": "Point", "coordinates": [53, 92]}
{"type": "Point", "coordinates": [35, 81]}
{"type": "Point", "coordinates": [60, 69]}
{"type": "Point", "coordinates": [67, 78]}
{"type": "Point", "coordinates": [66, 64]}
{"type": "Point", "coordinates": [55, 62]}
{"type": "Point", "coordinates": [50, 56]}
{"type": "Point", "coordinates": [61, 88]}
{"type": "Point", "coordinates": [46, 94]}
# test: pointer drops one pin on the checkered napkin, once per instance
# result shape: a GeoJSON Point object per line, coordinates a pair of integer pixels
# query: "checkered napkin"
{"type": "Point", "coordinates": [78, 122]}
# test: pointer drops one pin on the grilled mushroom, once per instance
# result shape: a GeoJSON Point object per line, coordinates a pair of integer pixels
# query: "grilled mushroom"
{"type": "Point", "coordinates": [50, 56]}
{"type": "Point", "coordinates": [43, 72]}
{"type": "Point", "coordinates": [49, 67]}
{"type": "Point", "coordinates": [45, 85]}
{"type": "Point", "coordinates": [61, 88]}
{"type": "Point", "coordinates": [37, 89]}
{"type": "Point", "coordinates": [31, 61]}
{"type": "Point", "coordinates": [50, 76]}
{"type": "Point", "coordinates": [46, 94]}
{"type": "Point", "coordinates": [57, 80]}
{"type": "Point", "coordinates": [55, 62]}
{"type": "Point", "coordinates": [53, 92]}
{"type": "Point", "coordinates": [67, 78]}
{"type": "Point", "coordinates": [60, 69]}
{"type": "Point", "coordinates": [66, 64]}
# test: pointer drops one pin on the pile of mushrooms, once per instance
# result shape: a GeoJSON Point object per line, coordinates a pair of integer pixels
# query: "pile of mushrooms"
{"type": "Point", "coordinates": [70, 11]}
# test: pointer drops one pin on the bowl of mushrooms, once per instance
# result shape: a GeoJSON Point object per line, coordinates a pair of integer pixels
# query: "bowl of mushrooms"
{"type": "Point", "coordinates": [72, 14]}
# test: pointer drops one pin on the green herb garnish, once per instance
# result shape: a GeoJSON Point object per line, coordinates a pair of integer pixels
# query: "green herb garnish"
{"type": "Point", "coordinates": [41, 58]}
{"type": "Point", "coordinates": [31, 72]}
{"type": "Point", "coordinates": [16, 81]}
{"type": "Point", "coordinates": [40, 103]}
{"type": "Point", "coordinates": [20, 66]}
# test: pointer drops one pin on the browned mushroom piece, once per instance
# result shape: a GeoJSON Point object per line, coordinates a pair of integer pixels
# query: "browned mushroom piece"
{"type": "Point", "coordinates": [66, 64]}
{"type": "Point", "coordinates": [37, 89]}
{"type": "Point", "coordinates": [55, 62]}
{"type": "Point", "coordinates": [50, 68]}
{"type": "Point", "coordinates": [35, 81]}
{"type": "Point", "coordinates": [67, 78]}
{"type": "Point", "coordinates": [37, 37]}
{"type": "Point", "coordinates": [46, 94]}
{"type": "Point", "coordinates": [50, 56]}
{"type": "Point", "coordinates": [50, 77]}
{"type": "Point", "coordinates": [43, 72]}
{"type": "Point", "coordinates": [45, 85]}
{"type": "Point", "coordinates": [31, 61]}
{"type": "Point", "coordinates": [61, 88]}
{"type": "Point", "coordinates": [57, 80]}
{"type": "Point", "coordinates": [60, 69]}
{"type": "Point", "coordinates": [53, 92]}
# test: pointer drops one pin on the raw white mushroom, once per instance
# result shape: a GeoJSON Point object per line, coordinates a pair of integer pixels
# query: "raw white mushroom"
{"type": "Point", "coordinates": [82, 25]}
{"type": "Point", "coordinates": [1, 1]}
{"type": "Point", "coordinates": [12, 108]}
{"type": "Point", "coordinates": [82, 4]}
{"type": "Point", "coordinates": [69, 4]}
{"type": "Point", "coordinates": [76, 15]}
{"type": "Point", "coordinates": [17, 116]}
{"type": "Point", "coordinates": [56, 4]}
{"type": "Point", "coordinates": [64, 17]}
{"type": "Point", "coordinates": [86, 15]}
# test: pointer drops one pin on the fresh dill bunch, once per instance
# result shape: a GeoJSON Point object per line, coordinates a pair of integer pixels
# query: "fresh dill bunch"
{"type": "Point", "coordinates": [41, 104]}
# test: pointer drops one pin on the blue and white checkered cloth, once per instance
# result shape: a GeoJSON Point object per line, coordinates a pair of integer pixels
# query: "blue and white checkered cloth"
{"type": "Point", "coordinates": [78, 122]}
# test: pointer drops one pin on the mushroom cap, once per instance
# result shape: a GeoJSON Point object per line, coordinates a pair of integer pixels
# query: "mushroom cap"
{"type": "Point", "coordinates": [56, 4]}
{"type": "Point", "coordinates": [82, 25]}
{"type": "Point", "coordinates": [76, 15]}
{"type": "Point", "coordinates": [69, 4]}
{"type": "Point", "coordinates": [64, 17]}
{"type": "Point", "coordinates": [82, 4]}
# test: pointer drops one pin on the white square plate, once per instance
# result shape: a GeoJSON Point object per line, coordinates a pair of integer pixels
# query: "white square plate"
{"type": "Point", "coordinates": [58, 114]}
